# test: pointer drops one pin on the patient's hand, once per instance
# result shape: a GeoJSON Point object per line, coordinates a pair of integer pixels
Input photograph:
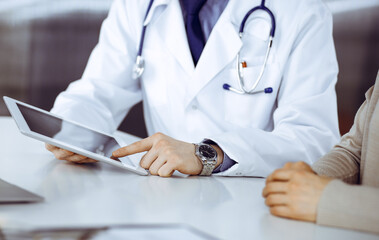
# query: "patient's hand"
{"type": "Point", "coordinates": [294, 192]}
{"type": "Point", "coordinates": [298, 166]}
{"type": "Point", "coordinates": [63, 154]}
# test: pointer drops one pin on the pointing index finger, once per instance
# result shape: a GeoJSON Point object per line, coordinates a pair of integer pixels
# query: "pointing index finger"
{"type": "Point", "coordinates": [137, 147]}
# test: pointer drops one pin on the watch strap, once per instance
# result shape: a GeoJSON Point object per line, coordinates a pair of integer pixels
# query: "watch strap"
{"type": "Point", "coordinates": [207, 169]}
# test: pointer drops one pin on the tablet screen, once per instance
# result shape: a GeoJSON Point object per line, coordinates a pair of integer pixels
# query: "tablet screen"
{"type": "Point", "coordinates": [68, 133]}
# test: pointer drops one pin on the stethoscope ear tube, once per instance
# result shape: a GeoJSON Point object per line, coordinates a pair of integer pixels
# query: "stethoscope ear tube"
{"type": "Point", "coordinates": [139, 65]}
{"type": "Point", "coordinates": [263, 8]}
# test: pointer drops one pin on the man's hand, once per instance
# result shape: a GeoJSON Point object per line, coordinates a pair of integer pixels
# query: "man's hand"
{"type": "Point", "coordinates": [294, 192]}
{"type": "Point", "coordinates": [165, 155]}
{"type": "Point", "coordinates": [63, 154]}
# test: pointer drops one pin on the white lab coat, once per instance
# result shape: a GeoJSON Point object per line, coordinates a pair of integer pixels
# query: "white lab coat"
{"type": "Point", "coordinates": [297, 122]}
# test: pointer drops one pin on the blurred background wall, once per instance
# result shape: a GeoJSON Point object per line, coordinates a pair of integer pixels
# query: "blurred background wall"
{"type": "Point", "coordinates": [45, 44]}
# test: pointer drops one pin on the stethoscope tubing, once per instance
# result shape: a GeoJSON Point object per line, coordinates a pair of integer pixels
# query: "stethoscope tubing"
{"type": "Point", "coordinates": [263, 8]}
{"type": "Point", "coordinates": [240, 67]}
{"type": "Point", "coordinates": [142, 39]}
{"type": "Point", "coordinates": [140, 63]}
{"type": "Point", "coordinates": [139, 66]}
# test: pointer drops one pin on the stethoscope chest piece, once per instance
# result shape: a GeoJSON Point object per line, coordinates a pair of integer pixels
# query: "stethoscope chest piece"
{"type": "Point", "coordinates": [139, 67]}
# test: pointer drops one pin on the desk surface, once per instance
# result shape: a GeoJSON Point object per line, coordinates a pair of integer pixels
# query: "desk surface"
{"type": "Point", "coordinates": [98, 194]}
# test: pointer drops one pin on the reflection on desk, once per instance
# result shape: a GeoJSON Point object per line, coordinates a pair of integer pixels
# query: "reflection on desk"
{"type": "Point", "coordinates": [204, 192]}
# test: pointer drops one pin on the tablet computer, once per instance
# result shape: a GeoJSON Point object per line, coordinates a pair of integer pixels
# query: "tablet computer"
{"type": "Point", "coordinates": [50, 128]}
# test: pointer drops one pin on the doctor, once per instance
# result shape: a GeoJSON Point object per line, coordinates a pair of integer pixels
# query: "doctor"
{"type": "Point", "coordinates": [190, 49]}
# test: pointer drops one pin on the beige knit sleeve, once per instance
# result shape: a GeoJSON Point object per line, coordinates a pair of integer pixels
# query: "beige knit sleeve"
{"type": "Point", "coordinates": [349, 206]}
{"type": "Point", "coordinates": [343, 161]}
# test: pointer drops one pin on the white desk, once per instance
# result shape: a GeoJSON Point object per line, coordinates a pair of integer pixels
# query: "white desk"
{"type": "Point", "coordinates": [98, 194]}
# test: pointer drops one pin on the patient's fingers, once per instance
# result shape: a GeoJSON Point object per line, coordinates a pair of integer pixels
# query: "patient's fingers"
{"type": "Point", "coordinates": [277, 200]}
{"type": "Point", "coordinates": [275, 187]}
{"type": "Point", "coordinates": [281, 211]}
{"type": "Point", "coordinates": [280, 175]}
{"type": "Point", "coordinates": [298, 166]}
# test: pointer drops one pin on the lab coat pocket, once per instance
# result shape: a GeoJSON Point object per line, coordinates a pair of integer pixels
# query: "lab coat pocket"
{"type": "Point", "coordinates": [255, 42]}
{"type": "Point", "coordinates": [252, 110]}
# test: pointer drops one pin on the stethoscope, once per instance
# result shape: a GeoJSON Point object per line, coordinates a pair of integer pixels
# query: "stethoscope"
{"type": "Point", "coordinates": [139, 66]}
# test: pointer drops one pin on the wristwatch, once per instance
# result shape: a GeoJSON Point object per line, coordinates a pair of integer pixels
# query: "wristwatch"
{"type": "Point", "coordinates": [208, 157]}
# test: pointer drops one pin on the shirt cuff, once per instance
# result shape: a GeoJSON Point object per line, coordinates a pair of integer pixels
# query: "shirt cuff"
{"type": "Point", "coordinates": [226, 163]}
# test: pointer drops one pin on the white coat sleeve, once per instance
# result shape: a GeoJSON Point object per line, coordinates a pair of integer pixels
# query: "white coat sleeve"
{"type": "Point", "coordinates": [305, 120]}
{"type": "Point", "coordinates": [106, 91]}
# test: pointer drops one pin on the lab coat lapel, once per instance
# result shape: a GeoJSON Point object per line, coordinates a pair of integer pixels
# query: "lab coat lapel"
{"type": "Point", "coordinates": [170, 27]}
{"type": "Point", "coordinates": [221, 49]}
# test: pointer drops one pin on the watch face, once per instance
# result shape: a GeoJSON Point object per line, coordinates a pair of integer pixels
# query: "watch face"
{"type": "Point", "coordinates": [207, 151]}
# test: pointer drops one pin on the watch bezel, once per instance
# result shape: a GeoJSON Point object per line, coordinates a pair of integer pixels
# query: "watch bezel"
{"type": "Point", "coordinates": [202, 152]}
{"type": "Point", "coordinates": [203, 158]}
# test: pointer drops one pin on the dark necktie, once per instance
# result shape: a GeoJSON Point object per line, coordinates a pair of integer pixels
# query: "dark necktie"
{"type": "Point", "coordinates": [195, 34]}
